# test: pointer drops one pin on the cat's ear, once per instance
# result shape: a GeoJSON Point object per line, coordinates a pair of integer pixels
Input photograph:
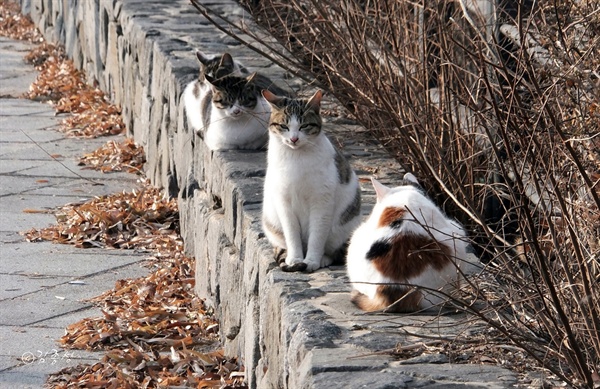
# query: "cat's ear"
{"type": "Point", "coordinates": [272, 98]}
{"type": "Point", "coordinates": [226, 61]}
{"type": "Point", "coordinates": [315, 101]}
{"type": "Point", "coordinates": [213, 82]}
{"type": "Point", "coordinates": [210, 79]}
{"type": "Point", "coordinates": [411, 178]}
{"type": "Point", "coordinates": [203, 58]}
{"type": "Point", "coordinates": [380, 190]}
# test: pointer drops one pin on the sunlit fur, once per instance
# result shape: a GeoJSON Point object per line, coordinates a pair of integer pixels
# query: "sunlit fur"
{"type": "Point", "coordinates": [233, 114]}
{"type": "Point", "coordinates": [224, 105]}
{"type": "Point", "coordinates": [311, 197]}
{"type": "Point", "coordinates": [215, 66]}
{"type": "Point", "coordinates": [405, 251]}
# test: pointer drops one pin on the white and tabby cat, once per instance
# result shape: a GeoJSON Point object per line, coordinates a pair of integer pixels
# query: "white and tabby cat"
{"type": "Point", "coordinates": [224, 104]}
{"type": "Point", "coordinates": [216, 66]}
{"type": "Point", "coordinates": [311, 200]}
{"type": "Point", "coordinates": [234, 114]}
{"type": "Point", "coordinates": [405, 251]}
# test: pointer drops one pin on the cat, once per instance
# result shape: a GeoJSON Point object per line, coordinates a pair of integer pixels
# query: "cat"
{"type": "Point", "coordinates": [224, 105]}
{"type": "Point", "coordinates": [235, 115]}
{"type": "Point", "coordinates": [218, 66]}
{"type": "Point", "coordinates": [405, 251]}
{"type": "Point", "coordinates": [312, 197]}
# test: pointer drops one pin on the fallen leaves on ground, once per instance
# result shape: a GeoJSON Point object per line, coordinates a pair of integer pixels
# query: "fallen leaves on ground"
{"type": "Point", "coordinates": [157, 333]}
{"type": "Point", "coordinates": [59, 81]}
{"type": "Point", "coordinates": [41, 53]}
{"type": "Point", "coordinates": [58, 77]}
{"type": "Point", "coordinates": [142, 219]}
{"type": "Point", "coordinates": [14, 25]}
{"type": "Point", "coordinates": [115, 156]}
{"type": "Point", "coordinates": [106, 375]}
{"type": "Point", "coordinates": [154, 329]}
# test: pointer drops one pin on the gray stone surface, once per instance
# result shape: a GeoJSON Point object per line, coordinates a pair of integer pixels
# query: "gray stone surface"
{"type": "Point", "coordinates": [11, 83]}
{"type": "Point", "coordinates": [38, 298]}
{"type": "Point", "coordinates": [289, 330]}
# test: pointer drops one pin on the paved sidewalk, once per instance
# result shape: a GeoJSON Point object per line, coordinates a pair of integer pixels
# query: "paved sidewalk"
{"type": "Point", "coordinates": [38, 297]}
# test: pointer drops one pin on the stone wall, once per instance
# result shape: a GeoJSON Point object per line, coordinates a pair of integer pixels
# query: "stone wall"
{"type": "Point", "coordinates": [289, 330]}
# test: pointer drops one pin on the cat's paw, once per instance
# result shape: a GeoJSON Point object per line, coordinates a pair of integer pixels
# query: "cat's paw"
{"type": "Point", "coordinates": [292, 265]}
{"type": "Point", "coordinates": [315, 264]}
{"type": "Point", "coordinates": [312, 265]}
{"type": "Point", "coordinates": [295, 267]}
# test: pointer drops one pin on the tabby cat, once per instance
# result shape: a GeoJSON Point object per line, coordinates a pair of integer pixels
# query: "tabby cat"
{"type": "Point", "coordinates": [218, 66]}
{"type": "Point", "coordinates": [312, 197]}
{"type": "Point", "coordinates": [224, 104]}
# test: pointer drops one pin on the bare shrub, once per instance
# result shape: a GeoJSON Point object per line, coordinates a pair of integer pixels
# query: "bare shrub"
{"type": "Point", "coordinates": [496, 108]}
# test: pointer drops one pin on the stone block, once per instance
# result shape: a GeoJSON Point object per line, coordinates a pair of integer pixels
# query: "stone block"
{"type": "Point", "coordinates": [112, 59]}
{"type": "Point", "coordinates": [359, 380]}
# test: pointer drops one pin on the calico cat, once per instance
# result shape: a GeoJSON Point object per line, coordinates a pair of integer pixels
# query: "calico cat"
{"type": "Point", "coordinates": [405, 251]}
{"type": "Point", "coordinates": [312, 197]}
{"type": "Point", "coordinates": [224, 104]}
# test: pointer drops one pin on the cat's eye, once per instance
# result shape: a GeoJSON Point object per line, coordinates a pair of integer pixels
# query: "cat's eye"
{"type": "Point", "coordinates": [250, 103]}
{"type": "Point", "coordinates": [282, 127]}
{"type": "Point", "coordinates": [306, 126]}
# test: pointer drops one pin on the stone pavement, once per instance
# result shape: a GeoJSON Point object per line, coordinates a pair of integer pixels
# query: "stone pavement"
{"type": "Point", "coordinates": [43, 285]}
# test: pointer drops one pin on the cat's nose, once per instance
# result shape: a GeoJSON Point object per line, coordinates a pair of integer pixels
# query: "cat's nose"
{"type": "Point", "coordinates": [236, 112]}
{"type": "Point", "coordinates": [294, 139]}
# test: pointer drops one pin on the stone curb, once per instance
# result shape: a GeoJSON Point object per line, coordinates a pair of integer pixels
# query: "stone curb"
{"type": "Point", "coordinates": [289, 330]}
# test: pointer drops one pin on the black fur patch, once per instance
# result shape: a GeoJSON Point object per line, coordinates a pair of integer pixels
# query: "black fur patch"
{"type": "Point", "coordinates": [378, 249]}
{"type": "Point", "coordinates": [396, 223]}
{"type": "Point", "coordinates": [343, 168]}
{"type": "Point", "coordinates": [352, 210]}
{"type": "Point", "coordinates": [296, 267]}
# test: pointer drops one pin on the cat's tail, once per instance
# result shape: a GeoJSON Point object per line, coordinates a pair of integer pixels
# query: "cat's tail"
{"type": "Point", "coordinates": [389, 298]}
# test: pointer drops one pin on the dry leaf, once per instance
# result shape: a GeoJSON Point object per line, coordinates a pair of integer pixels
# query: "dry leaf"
{"type": "Point", "coordinates": [115, 157]}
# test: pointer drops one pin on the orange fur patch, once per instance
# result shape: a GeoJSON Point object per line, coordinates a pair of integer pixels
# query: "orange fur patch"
{"type": "Point", "coordinates": [390, 215]}
{"type": "Point", "coordinates": [391, 298]}
{"type": "Point", "coordinates": [411, 255]}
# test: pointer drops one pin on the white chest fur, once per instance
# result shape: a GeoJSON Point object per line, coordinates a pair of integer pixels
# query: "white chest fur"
{"type": "Point", "coordinates": [247, 130]}
{"type": "Point", "coordinates": [305, 200]}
